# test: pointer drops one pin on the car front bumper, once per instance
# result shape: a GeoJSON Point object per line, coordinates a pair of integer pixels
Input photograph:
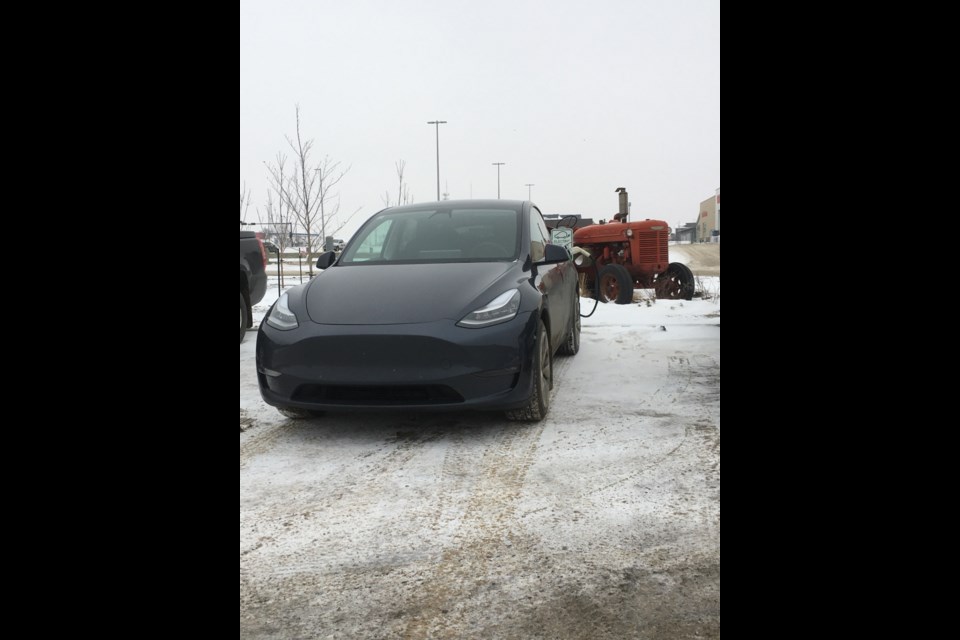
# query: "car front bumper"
{"type": "Point", "coordinates": [429, 366]}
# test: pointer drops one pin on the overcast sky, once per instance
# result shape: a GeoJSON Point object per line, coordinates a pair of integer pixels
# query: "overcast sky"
{"type": "Point", "coordinates": [578, 98]}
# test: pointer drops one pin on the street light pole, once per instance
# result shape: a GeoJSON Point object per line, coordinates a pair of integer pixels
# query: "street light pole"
{"type": "Point", "coordinates": [528, 185]}
{"type": "Point", "coordinates": [499, 164]}
{"type": "Point", "coordinates": [438, 123]}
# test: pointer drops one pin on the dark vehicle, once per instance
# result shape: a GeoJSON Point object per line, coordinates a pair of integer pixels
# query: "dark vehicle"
{"type": "Point", "coordinates": [253, 277]}
{"type": "Point", "coordinates": [270, 247]}
{"type": "Point", "coordinates": [438, 306]}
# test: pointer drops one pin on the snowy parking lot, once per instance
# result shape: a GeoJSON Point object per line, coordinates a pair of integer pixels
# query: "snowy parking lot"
{"type": "Point", "coordinates": [602, 521]}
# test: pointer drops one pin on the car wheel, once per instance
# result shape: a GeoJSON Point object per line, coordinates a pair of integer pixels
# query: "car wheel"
{"type": "Point", "coordinates": [571, 345]}
{"type": "Point", "coordinates": [243, 317]}
{"type": "Point", "coordinates": [299, 414]}
{"type": "Point", "coordinates": [539, 403]}
{"type": "Point", "coordinates": [614, 284]}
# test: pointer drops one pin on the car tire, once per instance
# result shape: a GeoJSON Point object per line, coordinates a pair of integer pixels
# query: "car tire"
{"type": "Point", "coordinates": [299, 414]}
{"type": "Point", "coordinates": [571, 344]}
{"type": "Point", "coordinates": [614, 284]}
{"type": "Point", "coordinates": [536, 408]}
{"type": "Point", "coordinates": [243, 317]}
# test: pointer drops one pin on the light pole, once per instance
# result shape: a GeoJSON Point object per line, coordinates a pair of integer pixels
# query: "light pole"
{"type": "Point", "coordinates": [499, 164]}
{"type": "Point", "coordinates": [528, 185]}
{"type": "Point", "coordinates": [438, 123]}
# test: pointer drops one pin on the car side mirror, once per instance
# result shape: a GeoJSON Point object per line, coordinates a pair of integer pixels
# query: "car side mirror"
{"type": "Point", "coordinates": [554, 254]}
{"type": "Point", "coordinates": [326, 259]}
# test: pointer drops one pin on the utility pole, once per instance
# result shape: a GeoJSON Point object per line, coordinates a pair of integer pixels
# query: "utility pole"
{"type": "Point", "coordinates": [499, 164]}
{"type": "Point", "coordinates": [528, 185]}
{"type": "Point", "coordinates": [438, 123]}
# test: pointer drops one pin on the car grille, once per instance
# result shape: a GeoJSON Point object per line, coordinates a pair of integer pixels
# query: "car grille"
{"type": "Point", "coordinates": [377, 394]}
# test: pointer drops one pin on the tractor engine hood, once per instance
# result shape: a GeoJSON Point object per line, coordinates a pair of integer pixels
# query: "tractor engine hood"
{"type": "Point", "coordinates": [616, 231]}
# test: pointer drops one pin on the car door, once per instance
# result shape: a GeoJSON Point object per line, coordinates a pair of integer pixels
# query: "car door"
{"type": "Point", "coordinates": [553, 279]}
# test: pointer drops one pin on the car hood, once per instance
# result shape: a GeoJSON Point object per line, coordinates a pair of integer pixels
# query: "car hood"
{"type": "Point", "coordinates": [399, 293]}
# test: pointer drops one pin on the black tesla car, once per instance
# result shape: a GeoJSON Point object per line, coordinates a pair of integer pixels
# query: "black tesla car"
{"type": "Point", "coordinates": [438, 306]}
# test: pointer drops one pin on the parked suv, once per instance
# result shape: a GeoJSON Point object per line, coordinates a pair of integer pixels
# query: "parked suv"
{"type": "Point", "coordinates": [253, 277]}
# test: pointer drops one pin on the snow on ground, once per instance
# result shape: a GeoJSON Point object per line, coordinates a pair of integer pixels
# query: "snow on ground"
{"type": "Point", "coordinates": [702, 258]}
{"type": "Point", "coordinates": [602, 521]}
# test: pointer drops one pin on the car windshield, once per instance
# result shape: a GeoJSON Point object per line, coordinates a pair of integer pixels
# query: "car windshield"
{"type": "Point", "coordinates": [437, 234]}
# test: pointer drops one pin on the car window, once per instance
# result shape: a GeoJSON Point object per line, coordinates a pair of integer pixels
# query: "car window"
{"type": "Point", "coordinates": [539, 235]}
{"type": "Point", "coordinates": [440, 234]}
{"type": "Point", "coordinates": [371, 246]}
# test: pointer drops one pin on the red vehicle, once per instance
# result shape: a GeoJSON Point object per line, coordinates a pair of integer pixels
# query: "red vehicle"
{"type": "Point", "coordinates": [621, 255]}
{"type": "Point", "coordinates": [253, 277]}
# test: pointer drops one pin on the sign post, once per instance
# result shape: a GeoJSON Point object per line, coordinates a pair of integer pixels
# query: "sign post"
{"type": "Point", "coordinates": [562, 236]}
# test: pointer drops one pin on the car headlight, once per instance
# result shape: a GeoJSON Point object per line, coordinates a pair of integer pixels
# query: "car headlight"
{"type": "Point", "coordinates": [281, 317]}
{"type": "Point", "coordinates": [502, 308]}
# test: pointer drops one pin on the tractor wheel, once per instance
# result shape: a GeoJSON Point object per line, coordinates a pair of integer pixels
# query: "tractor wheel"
{"type": "Point", "coordinates": [675, 283]}
{"type": "Point", "coordinates": [614, 284]}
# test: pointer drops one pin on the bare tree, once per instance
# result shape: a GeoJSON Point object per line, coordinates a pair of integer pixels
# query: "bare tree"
{"type": "Point", "coordinates": [330, 223]}
{"type": "Point", "coordinates": [403, 190]}
{"type": "Point", "coordinates": [244, 202]}
{"type": "Point", "coordinates": [308, 194]}
{"type": "Point", "coordinates": [328, 175]}
{"type": "Point", "coordinates": [278, 227]}
{"type": "Point", "coordinates": [335, 228]}
{"type": "Point", "coordinates": [279, 218]}
{"type": "Point", "coordinates": [401, 165]}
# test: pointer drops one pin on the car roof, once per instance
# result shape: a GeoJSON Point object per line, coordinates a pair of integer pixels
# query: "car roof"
{"type": "Point", "coordinates": [462, 204]}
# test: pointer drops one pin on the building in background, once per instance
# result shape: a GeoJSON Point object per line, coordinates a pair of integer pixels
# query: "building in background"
{"type": "Point", "coordinates": [686, 233]}
{"type": "Point", "coordinates": [718, 212]}
{"type": "Point", "coordinates": [708, 221]}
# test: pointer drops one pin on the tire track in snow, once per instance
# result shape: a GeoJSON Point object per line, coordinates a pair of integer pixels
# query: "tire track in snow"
{"type": "Point", "coordinates": [355, 484]}
{"type": "Point", "coordinates": [483, 528]}
{"type": "Point", "coordinates": [699, 383]}
{"type": "Point", "coordinates": [484, 525]}
{"type": "Point", "coordinates": [263, 439]}
{"type": "Point", "coordinates": [474, 508]}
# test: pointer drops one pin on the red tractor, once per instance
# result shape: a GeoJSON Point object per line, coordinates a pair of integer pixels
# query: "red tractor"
{"type": "Point", "coordinates": [620, 255]}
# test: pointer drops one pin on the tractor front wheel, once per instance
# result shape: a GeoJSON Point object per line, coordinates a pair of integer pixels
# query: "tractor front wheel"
{"type": "Point", "coordinates": [614, 284]}
{"type": "Point", "coordinates": [675, 283]}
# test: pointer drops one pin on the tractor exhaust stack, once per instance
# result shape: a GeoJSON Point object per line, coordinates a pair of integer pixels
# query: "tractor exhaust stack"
{"type": "Point", "coordinates": [624, 205]}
